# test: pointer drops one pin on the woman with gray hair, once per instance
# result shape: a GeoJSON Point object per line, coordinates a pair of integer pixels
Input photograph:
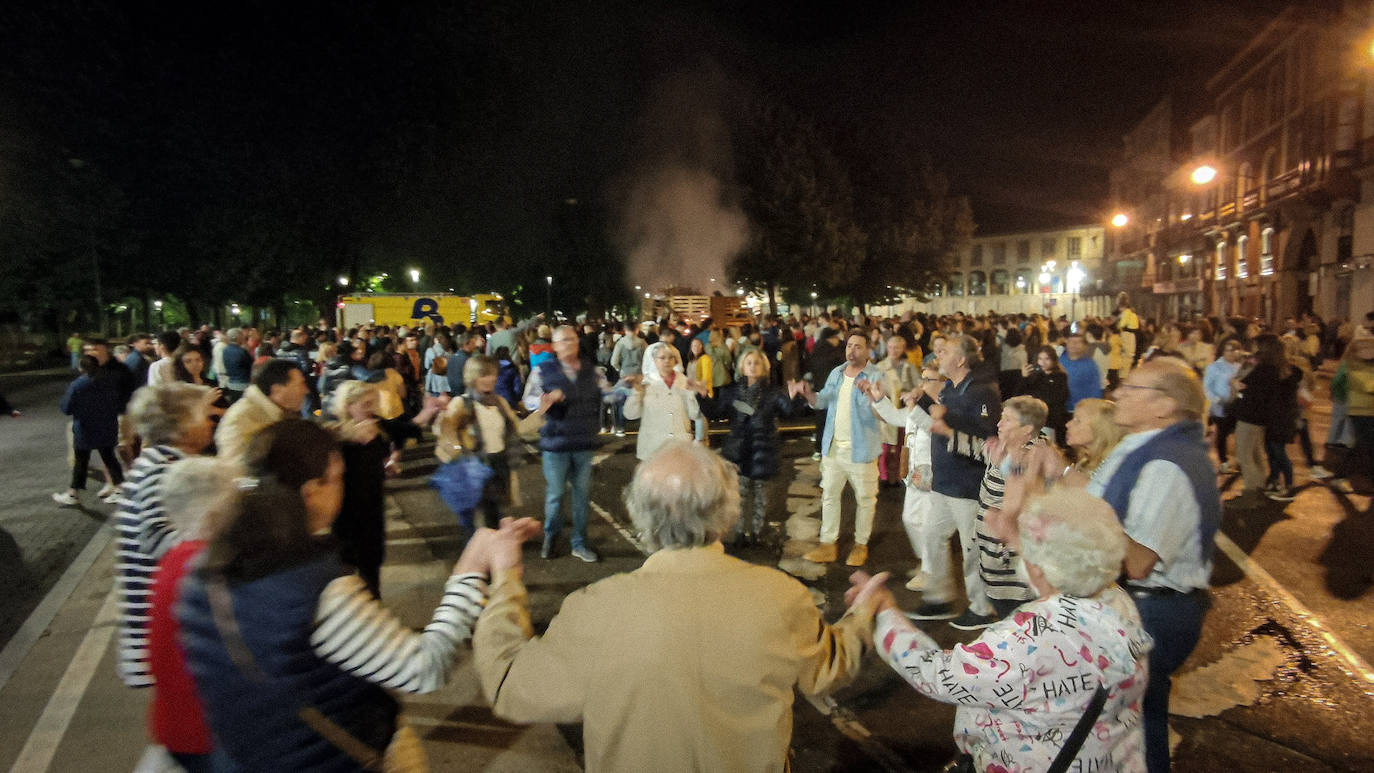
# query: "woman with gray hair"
{"type": "Point", "coordinates": [1025, 683]}
{"type": "Point", "coordinates": [664, 399]}
{"type": "Point", "coordinates": [173, 419]}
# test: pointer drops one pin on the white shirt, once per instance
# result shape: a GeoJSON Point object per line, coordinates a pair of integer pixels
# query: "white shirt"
{"type": "Point", "coordinates": [842, 441]}
{"type": "Point", "coordinates": [160, 372]}
{"type": "Point", "coordinates": [1162, 515]}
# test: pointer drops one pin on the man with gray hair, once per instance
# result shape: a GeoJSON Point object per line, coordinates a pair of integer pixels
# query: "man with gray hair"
{"type": "Point", "coordinates": [1161, 484]}
{"type": "Point", "coordinates": [687, 663]}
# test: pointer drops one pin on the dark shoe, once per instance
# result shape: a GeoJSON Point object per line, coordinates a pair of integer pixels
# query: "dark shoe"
{"type": "Point", "coordinates": [1281, 495]}
{"type": "Point", "coordinates": [547, 550]}
{"type": "Point", "coordinates": [933, 611]}
{"type": "Point", "coordinates": [584, 553]}
{"type": "Point", "coordinates": [972, 621]}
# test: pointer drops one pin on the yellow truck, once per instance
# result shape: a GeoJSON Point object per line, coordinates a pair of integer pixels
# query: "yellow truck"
{"type": "Point", "coordinates": [416, 309]}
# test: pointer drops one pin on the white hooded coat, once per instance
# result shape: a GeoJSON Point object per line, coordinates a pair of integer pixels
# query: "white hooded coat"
{"type": "Point", "coordinates": [665, 413]}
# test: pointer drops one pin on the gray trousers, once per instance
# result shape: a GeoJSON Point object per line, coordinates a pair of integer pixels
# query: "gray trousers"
{"type": "Point", "coordinates": [751, 519]}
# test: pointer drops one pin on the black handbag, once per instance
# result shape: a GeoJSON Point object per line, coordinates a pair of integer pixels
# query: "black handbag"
{"type": "Point", "coordinates": [964, 762]}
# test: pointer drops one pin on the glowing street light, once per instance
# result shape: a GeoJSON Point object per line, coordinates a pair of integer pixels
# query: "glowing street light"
{"type": "Point", "coordinates": [1120, 219]}
{"type": "Point", "coordinates": [343, 281]}
{"type": "Point", "coordinates": [1184, 258]}
{"type": "Point", "coordinates": [1075, 277]}
{"type": "Point", "coordinates": [1204, 174]}
{"type": "Point", "coordinates": [415, 276]}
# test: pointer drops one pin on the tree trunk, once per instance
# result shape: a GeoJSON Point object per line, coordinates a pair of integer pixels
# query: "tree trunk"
{"type": "Point", "coordinates": [772, 298]}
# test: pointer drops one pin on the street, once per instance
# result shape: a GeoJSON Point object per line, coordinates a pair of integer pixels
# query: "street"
{"type": "Point", "coordinates": [1280, 681]}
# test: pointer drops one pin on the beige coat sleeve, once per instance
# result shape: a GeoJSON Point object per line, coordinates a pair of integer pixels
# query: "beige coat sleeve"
{"type": "Point", "coordinates": [527, 678]}
{"type": "Point", "coordinates": [831, 654]}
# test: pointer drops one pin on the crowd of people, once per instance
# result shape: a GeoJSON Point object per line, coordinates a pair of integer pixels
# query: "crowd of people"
{"type": "Point", "coordinates": [1069, 459]}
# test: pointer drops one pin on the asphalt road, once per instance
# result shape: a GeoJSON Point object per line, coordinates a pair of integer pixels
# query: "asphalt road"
{"type": "Point", "coordinates": [1280, 680]}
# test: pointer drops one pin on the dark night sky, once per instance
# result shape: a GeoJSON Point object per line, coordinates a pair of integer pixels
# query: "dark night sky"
{"type": "Point", "coordinates": [521, 106]}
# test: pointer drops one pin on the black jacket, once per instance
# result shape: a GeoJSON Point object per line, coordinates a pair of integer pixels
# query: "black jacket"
{"type": "Point", "coordinates": [753, 413]}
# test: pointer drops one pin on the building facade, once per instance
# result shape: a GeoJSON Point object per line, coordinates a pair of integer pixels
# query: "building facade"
{"type": "Point", "coordinates": [1247, 204]}
{"type": "Point", "coordinates": [1056, 271]}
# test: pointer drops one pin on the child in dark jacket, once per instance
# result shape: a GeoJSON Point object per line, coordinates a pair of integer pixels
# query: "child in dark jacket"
{"type": "Point", "coordinates": [752, 405]}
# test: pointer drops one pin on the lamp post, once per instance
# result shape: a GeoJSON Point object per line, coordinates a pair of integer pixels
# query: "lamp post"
{"type": "Point", "coordinates": [1075, 277]}
{"type": "Point", "coordinates": [415, 278]}
{"type": "Point", "coordinates": [548, 296]}
{"type": "Point", "coordinates": [161, 320]}
{"type": "Point", "coordinates": [1045, 284]}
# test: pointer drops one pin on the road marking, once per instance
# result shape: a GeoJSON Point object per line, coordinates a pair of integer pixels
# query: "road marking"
{"type": "Point", "coordinates": [32, 630]}
{"type": "Point", "coordinates": [1356, 665]}
{"type": "Point", "coordinates": [52, 724]}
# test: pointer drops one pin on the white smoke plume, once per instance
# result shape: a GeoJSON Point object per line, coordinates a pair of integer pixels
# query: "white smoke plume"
{"type": "Point", "coordinates": [678, 225]}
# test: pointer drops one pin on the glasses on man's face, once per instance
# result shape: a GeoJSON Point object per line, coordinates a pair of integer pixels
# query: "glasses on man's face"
{"type": "Point", "coordinates": [1142, 386]}
{"type": "Point", "coordinates": [932, 380]}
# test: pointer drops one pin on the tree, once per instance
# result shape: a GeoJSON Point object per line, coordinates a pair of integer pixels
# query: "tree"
{"type": "Point", "coordinates": [914, 224]}
{"type": "Point", "coordinates": [800, 206]}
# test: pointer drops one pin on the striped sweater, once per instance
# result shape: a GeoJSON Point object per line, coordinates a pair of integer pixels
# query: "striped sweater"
{"type": "Point", "coordinates": [356, 633]}
{"type": "Point", "coordinates": [142, 536]}
{"type": "Point", "coordinates": [1001, 568]}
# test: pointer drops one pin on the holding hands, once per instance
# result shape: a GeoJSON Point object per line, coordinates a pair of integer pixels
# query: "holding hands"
{"type": "Point", "coordinates": [497, 550]}
{"type": "Point", "coordinates": [869, 591]}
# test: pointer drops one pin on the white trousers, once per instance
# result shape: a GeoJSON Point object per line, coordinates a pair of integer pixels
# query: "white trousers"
{"type": "Point", "coordinates": [929, 531]}
{"type": "Point", "coordinates": [863, 476]}
{"type": "Point", "coordinates": [964, 514]}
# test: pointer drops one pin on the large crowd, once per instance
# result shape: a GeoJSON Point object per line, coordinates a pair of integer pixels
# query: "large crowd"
{"type": "Point", "coordinates": [1070, 459]}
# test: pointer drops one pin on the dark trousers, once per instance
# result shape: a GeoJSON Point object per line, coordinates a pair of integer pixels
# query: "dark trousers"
{"type": "Point", "coordinates": [495, 493]}
{"type": "Point", "coordinates": [1280, 466]}
{"type": "Point", "coordinates": [1225, 426]}
{"type": "Point", "coordinates": [1305, 442]}
{"type": "Point", "coordinates": [83, 465]}
{"type": "Point", "coordinates": [1175, 623]}
{"type": "Point", "coordinates": [1361, 457]}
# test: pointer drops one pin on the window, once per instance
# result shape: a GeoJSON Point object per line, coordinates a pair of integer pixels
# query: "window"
{"type": "Point", "coordinates": [1075, 245]}
{"type": "Point", "coordinates": [999, 252]}
{"type": "Point", "coordinates": [1023, 282]}
{"type": "Point", "coordinates": [1242, 268]}
{"type": "Point", "coordinates": [999, 283]}
{"type": "Point", "coordinates": [1267, 251]}
{"type": "Point", "coordinates": [937, 289]}
{"type": "Point", "coordinates": [1047, 246]}
{"type": "Point", "coordinates": [1221, 261]}
{"type": "Point", "coordinates": [1023, 251]}
{"type": "Point", "coordinates": [956, 284]}
{"type": "Point", "coordinates": [977, 283]}
{"type": "Point", "coordinates": [976, 257]}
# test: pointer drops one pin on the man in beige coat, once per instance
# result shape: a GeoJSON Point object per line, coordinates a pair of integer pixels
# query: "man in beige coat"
{"type": "Point", "coordinates": [278, 391]}
{"type": "Point", "coordinates": [687, 663]}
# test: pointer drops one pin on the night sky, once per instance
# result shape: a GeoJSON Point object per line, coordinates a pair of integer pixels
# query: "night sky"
{"type": "Point", "coordinates": [436, 130]}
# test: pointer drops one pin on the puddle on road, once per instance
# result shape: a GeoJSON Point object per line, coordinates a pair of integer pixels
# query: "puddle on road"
{"type": "Point", "coordinates": [1229, 682]}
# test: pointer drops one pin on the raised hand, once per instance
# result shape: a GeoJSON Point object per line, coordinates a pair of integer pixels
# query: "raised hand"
{"type": "Point", "coordinates": [548, 399]}
{"type": "Point", "coordinates": [875, 391]}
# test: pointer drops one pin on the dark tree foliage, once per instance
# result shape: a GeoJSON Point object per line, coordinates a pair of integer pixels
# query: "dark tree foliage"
{"type": "Point", "coordinates": [797, 195]}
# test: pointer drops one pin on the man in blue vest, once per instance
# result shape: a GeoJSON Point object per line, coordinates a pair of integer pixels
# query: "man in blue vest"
{"type": "Point", "coordinates": [569, 436]}
{"type": "Point", "coordinates": [1163, 488]}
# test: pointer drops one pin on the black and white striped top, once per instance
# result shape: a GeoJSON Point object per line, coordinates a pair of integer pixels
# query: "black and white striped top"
{"type": "Point", "coordinates": [1001, 568]}
{"type": "Point", "coordinates": [356, 633]}
{"type": "Point", "coordinates": [142, 535]}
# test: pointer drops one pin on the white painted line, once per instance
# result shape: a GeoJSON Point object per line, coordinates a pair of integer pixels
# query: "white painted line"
{"type": "Point", "coordinates": [1355, 665]}
{"type": "Point", "coordinates": [624, 532]}
{"type": "Point", "coordinates": [52, 724]}
{"type": "Point", "coordinates": [32, 630]}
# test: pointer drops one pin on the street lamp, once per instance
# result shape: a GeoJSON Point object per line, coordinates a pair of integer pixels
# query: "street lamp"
{"type": "Point", "coordinates": [343, 281]}
{"type": "Point", "coordinates": [548, 295]}
{"type": "Point", "coordinates": [161, 321]}
{"type": "Point", "coordinates": [415, 277]}
{"type": "Point", "coordinates": [1045, 284]}
{"type": "Point", "coordinates": [1204, 174]}
{"type": "Point", "coordinates": [1075, 277]}
{"type": "Point", "coordinates": [1120, 219]}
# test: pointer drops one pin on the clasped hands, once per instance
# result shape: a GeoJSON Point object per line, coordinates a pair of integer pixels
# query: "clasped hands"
{"type": "Point", "coordinates": [490, 551]}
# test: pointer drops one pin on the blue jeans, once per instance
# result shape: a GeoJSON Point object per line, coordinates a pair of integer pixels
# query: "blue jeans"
{"type": "Point", "coordinates": [562, 467]}
{"type": "Point", "coordinates": [1175, 622]}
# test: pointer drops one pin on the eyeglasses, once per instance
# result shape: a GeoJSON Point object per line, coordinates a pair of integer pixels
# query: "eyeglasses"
{"type": "Point", "coordinates": [933, 380]}
{"type": "Point", "coordinates": [1141, 386]}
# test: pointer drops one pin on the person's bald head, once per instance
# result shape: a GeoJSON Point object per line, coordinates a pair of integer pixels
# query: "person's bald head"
{"type": "Point", "coordinates": [683, 496]}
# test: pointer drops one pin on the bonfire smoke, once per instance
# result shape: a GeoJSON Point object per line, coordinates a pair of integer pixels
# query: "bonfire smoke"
{"type": "Point", "coordinates": [678, 225]}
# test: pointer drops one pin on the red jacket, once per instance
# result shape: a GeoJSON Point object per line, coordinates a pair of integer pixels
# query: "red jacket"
{"type": "Point", "coordinates": [175, 717]}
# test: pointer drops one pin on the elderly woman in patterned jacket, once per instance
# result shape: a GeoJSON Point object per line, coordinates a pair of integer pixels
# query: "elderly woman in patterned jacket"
{"type": "Point", "coordinates": [1023, 685]}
